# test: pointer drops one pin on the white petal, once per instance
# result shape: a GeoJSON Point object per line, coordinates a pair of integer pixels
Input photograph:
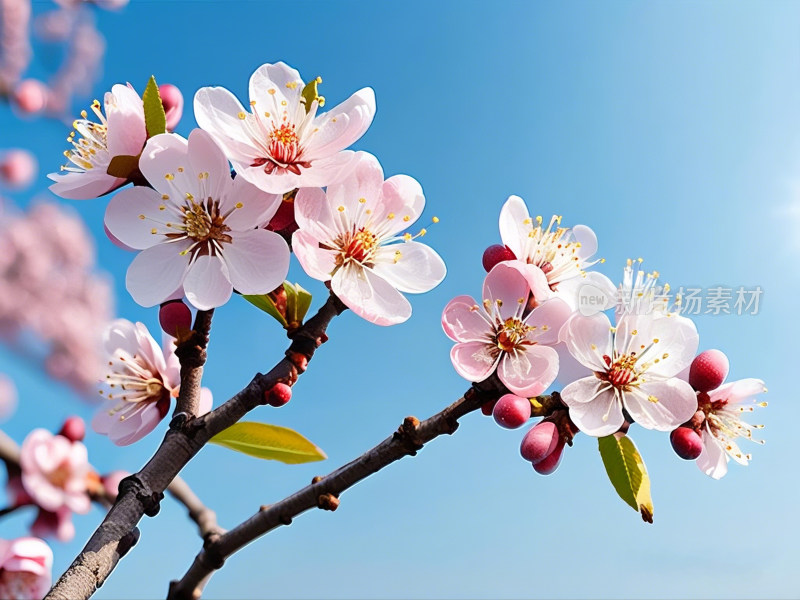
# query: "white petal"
{"type": "Point", "coordinates": [217, 111]}
{"type": "Point", "coordinates": [156, 272]}
{"type": "Point", "coordinates": [588, 339]}
{"type": "Point", "coordinates": [712, 460]}
{"type": "Point", "coordinates": [370, 296]}
{"type": "Point", "coordinates": [416, 269]}
{"type": "Point", "coordinates": [165, 164]}
{"type": "Point", "coordinates": [506, 289]}
{"type": "Point", "coordinates": [661, 405]}
{"type": "Point", "coordinates": [363, 181]}
{"type": "Point", "coordinates": [205, 156]}
{"type": "Point", "coordinates": [124, 217]}
{"type": "Point", "coordinates": [314, 216]}
{"type": "Point", "coordinates": [515, 225]}
{"type": "Point", "coordinates": [258, 207]}
{"type": "Point", "coordinates": [463, 320]}
{"type": "Point", "coordinates": [587, 239]}
{"type": "Point", "coordinates": [402, 196]}
{"type": "Point", "coordinates": [125, 117]}
{"type": "Point", "coordinates": [342, 125]}
{"type": "Point", "coordinates": [207, 283]}
{"type": "Point", "coordinates": [474, 361]}
{"type": "Point", "coordinates": [529, 373]}
{"type": "Point", "coordinates": [275, 77]}
{"type": "Point", "coordinates": [257, 260]}
{"type": "Point", "coordinates": [83, 186]}
{"type": "Point", "coordinates": [317, 262]}
{"type": "Point", "coordinates": [593, 406]}
{"type": "Point", "coordinates": [673, 340]}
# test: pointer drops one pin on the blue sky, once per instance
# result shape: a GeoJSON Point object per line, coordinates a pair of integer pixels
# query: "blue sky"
{"type": "Point", "coordinates": [669, 128]}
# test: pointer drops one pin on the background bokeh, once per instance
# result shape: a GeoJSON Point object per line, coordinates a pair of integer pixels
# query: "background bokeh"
{"type": "Point", "coordinates": [670, 128]}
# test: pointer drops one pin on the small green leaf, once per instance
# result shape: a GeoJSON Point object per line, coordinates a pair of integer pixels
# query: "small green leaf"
{"type": "Point", "coordinates": [265, 303]}
{"type": "Point", "coordinates": [269, 442]}
{"type": "Point", "coordinates": [123, 166]}
{"type": "Point", "coordinates": [310, 93]}
{"type": "Point", "coordinates": [627, 473]}
{"type": "Point", "coordinates": [155, 120]}
{"type": "Point", "coordinates": [303, 303]}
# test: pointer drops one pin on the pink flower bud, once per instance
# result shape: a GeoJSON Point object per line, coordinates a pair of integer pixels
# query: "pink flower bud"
{"type": "Point", "coordinates": [18, 168]}
{"type": "Point", "coordinates": [174, 315]}
{"type": "Point", "coordinates": [31, 96]}
{"type": "Point", "coordinates": [686, 443]}
{"type": "Point", "coordinates": [540, 441]}
{"type": "Point", "coordinates": [551, 462]}
{"type": "Point", "coordinates": [708, 370]}
{"type": "Point", "coordinates": [284, 218]}
{"type": "Point", "coordinates": [496, 253]}
{"type": "Point", "coordinates": [172, 100]}
{"type": "Point", "coordinates": [74, 429]}
{"type": "Point", "coordinates": [512, 411]}
{"type": "Point", "coordinates": [279, 395]}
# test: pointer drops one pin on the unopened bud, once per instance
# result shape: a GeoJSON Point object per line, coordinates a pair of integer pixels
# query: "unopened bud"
{"type": "Point", "coordinates": [279, 394]}
{"type": "Point", "coordinates": [708, 370]}
{"type": "Point", "coordinates": [74, 429]}
{"type": "Point", "coordinates": [172, 100]}
{"type": "Point", "coordinates": [512, 411]}
{"type": "Point", "coordinates": [30, 96]}
{"type": "Point", "coordinates": [495, 254]}
{"type": "Point", "coordinates": [18, 168]}
{"type": "Point", "coordinates": [686, 443]}
{"type": "Point", "coordinates": [540, 441]}
{"type": "Point", "coordinates": [174, 316]}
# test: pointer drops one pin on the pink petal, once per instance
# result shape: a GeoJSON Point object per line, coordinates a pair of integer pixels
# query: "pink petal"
{"type": "Point", "coordinates": [569, 369]}
{"type": "Point", "coordinates": [588, 339]}
{"type": "Point", "coordinates": [529, 373]}
{"type": "Point", "coordinates": [207, 283]}
{"type": "Point", "coordinates": [415, 270]}
{"type": "Point", "coordinates": [673, 340]}
{"type": "Point", "coordinates": [661, 405]}
{"type": "Point", "coordinates": [342, 125]}
{"type": "Point", "coordinates": [125, 117]}
{"type": "Point", "coordinates": [314, 215]}
{"type": "Point", "coordinates": [276, 77]}
{"type": "Point", "coordinates": [257, 261]}
{"type": "Point", "coordinates": [506, 285]}
{"type": "Point", "coordinates": [318, 262]}
{"type": "Point", "coordinates": [156, 272]}
{"type": "Point", "coordinates": [258, 207]}
{"type": "Point", "coordinates": [322, 172]}
{"type": "Point", "coordinates": [363, 181]}
{"type": "Point", "coordinates": [84, 186]}
{"type": "Point", "coordinates": [593, 406]}
{"type": "Point", "coordinates": [548, 318]}
{"type": "Point", "coordinates": [370, 296]}
{"type": "Point", "coordinates": [136, 425]}
{"type": "Point", "coordinates": [402, 195]}
{"type": "Point", "coordinates": [205, 156]}
{"type": "Point", "coordinates": [463, 320]}
{"type": "Point", "coordinates": [217, 111]}
{"type": "Point", "coordinates": [515, 225]}
{"type": "Point", "coordinates": [124, 212]}
{"type": "Point", "coordinates": [712, 460]}
{"type": "Point", "coordinates": [165, 164]}
{"type": "Point", "coordinates": [738, 391]}
{"type": "Point", "coordinates": [206, 401]}
{"type": "Point", "coordinates": [474, 361]}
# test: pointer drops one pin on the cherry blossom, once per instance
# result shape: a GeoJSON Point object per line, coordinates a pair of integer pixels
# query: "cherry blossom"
{"type": "Point", "coordinates": [140, 383]}
{"type": "Point", "coordinates": [501, 334]}
{"type": "Point", "coordinates": [281, 143]}
{"type": "Point", "coordinates": [54, 471]}
{"type": "Point", "coordinates": [351, 237]}
{"type": "Point", "coordinates": [634, 366]}
{"type": "Point", "coordinates": [25, 568]}
{"type": "Point", "coordinates": [121, 131]}
{"type": "Point", "coordinates": [558, 256]}
{"type": "Point", "coordinates": [197, 228]}
{"type": "Point", "coordinates": [723, 409]}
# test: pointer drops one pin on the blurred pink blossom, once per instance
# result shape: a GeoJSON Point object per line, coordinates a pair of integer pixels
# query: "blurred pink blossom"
{"type": "Point", "coordinates": [18, 168]}
{"type": "Point", "coordinates": [172, 99]}
{"type": "Point", "coordinates": [25, 568]}
{"type": "Point", "coordinates": [8, 397]}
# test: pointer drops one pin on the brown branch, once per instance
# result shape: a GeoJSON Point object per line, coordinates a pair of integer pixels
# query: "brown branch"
{"type": "Point", "coordinates": [323, 492]}
{"type": "Point", "coordinates": [141, 493]}
{"type": "Point", "coordinates": [204, 517]}
{"type": "Point", "coordinates": [191, 352]}
{"type": "Point", "coordinates": [9, 454]}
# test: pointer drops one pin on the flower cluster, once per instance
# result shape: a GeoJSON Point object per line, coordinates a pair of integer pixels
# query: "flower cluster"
{"type": "Point", "coordinates": [203, 233]}
{"type": "Point", "coordinates": [532, 326]}
{"type": "Point", "coordinates": [48, 287]}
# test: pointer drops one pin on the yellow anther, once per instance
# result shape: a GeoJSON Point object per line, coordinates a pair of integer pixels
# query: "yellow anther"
{"type": "Point", "coordinates": [407, 237]}
{"type": "Point", "coordinates": [271, 91]}
{"type": "Point", "coordinates": [422, 232]}
{"type": "Point", "coordinates": [252, 102]}
{"type": "Point", "coordinates": [162, 207]}
{"type": "Point", "coordinates": [239, 205]}
{"type": "Point", "coordinates": [340, 209]}
{"type": "Point", "coordinates": [169, 176]}
{"type": "Point", "coordinates": [390, 216]}
{"type": "Point", "coordinates": [435, 219]}
{"type": "Point", "coordinates": [652, 399]}
{"type": "Point", "coordinates": [165, 196]}
{"type": "Point", "coordinates": [141, 217]}
{"type": "Point", "coordinates": [362, 200]}
{"type": "Point", "coordinates": [406, 219]}
{"type": "Point", "coordinates": [266, 114]}
{"type": "Point", "coordinates": [655, 340]}
{"type": "Point", "coordinates": [154, 231]}
{"type": "Point", "coordinates": [180, 169]}
{"type": "Point", "coordinates": [84, 114]}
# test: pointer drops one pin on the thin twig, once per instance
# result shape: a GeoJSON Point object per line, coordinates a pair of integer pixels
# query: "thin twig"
{"type": "Point", "coordinates": [192, 355]}
{"type": "Point", "coordinates": [141, 493]}
{"type": "Point", "coordinates": [204, 517]}
{"type": "Point", "coordinates": [323, 492]}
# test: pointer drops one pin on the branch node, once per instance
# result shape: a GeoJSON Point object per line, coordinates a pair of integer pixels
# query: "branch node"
{"type": "Point", "coordinates": [128, 541]}
{"type": "Point", "coordinates": [316, 479]}
{"type": "Point", "coordinates": [285, 520]}
{"type": "Point", "coordinates": [264, 507]}
{"type": "Point", "coordinates": [178, 421]}
{"type": "Point", "coordinates": [328, 502]}
{"type": "Point", "coordinates": [298, 359]}
{"type": "Point", "coordinates": [408, 432]}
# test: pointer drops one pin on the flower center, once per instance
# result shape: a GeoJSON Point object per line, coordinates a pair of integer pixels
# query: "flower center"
{"type": "Point", "coordinates": [620, 372]}
{"type": "Point", "coordinates": [359, 247]}
{"type": "Point", "coordinates": [512, 335]}
{"type": "Point", "coordinates": [60, 475]}
{"type": "Point", "coordinates": [204, 224]}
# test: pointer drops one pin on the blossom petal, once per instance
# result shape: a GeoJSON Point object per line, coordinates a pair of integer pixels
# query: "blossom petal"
{"type": "Point", "coordinates": [125, 116]}
{"type": "Point", "coordinates": [474, 361]}
{"type": "Point", "coordinates": [342, 125]}
{"type": "Point", "coordinates": [207, 283]}
{"type": "Point", "coordinates": [738, 391]}
{"type": "Point", "coordinates": [548, 318]}
{"type": "Point", "coordinates": [712, 460]}
{"type": "Point", "coordinates": [569, 369]}
{"type": "Point", "coordinates": [205, 156]}
{"type": "Point", "coordinates": [125, 212]}
{"type": "Point", "coordinates": [83, 186]}
{"type": "Point", "coordinates": [661, 405]}
{"type": "Point", "coordinates": [157, 272]}
{"type": "Point", "coordinates": [370, 296]}
{"type": "Point", "coordinates": [314, 216]}
{"type": "Point", "coordinates": [410, 267]}
{"type": "Point", "coordinates": [317, 262]}
{"type": "Point", "coordinates": [463, 320]}
{"type": "Point", "coordinates": [363, 182]}
{"type": "Point", "coordinates": [322, 172]}
{"type": "Point", "coordinates": [506, 289]}
{"type": "Point", "coordinates": [529, 373]}
{"type": "Point", "coordinates": [588, 339]}
{"type": "Point", "coordinates": [217, 111]}
{"type": "Point", "coordinates": [593, 406]}
{"type": "Point", "coordinates": [515, 225]}
{"type": "Point", "coordinates": [257, 206]}
{"type": "Point", "coordinates": [587, 240]}
{"type": "Point", "coordinates": [673, 340]}
{"type": "Point", "coordinates": [164, 163]}
{"type": "Point", "coordinates": [270, 84]}
{"type": "Point", "coordinates": [136, 425]}
{"type": "Point", "coordinates": [402, 196]}
{"type": "Point", "coordinates": [257, 261]}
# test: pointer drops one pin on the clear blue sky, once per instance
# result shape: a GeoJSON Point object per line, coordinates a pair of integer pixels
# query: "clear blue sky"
{"type": "Point", "coordinates": [671, 128]}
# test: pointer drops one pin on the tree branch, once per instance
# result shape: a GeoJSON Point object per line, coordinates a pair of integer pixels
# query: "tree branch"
{"type": "Point", "coordinates": [191, 352]}
{"type": "Point", "coordinates": [141, 493]}
{"type": "Point", "coordinates": [204, 517]}
{"type": "Point", "coordinates": [323, 492]}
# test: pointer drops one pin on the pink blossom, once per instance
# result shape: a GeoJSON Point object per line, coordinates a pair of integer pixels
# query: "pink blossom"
{"type": "Point", "coordinates": [172, 100]}
{"type": "Point", "coordinates": [634, 366]}
{"type": "Point", "coordinates": [351, 236]}
{"type": "Point", "coordinates": [18, 168]}
{"type": "Point", "coordinates": [54, 471]}
{"type": "Point", "coordinates": [8, 397]}
{"type": "Point", "coordinates": [501, 334]}
{"type": "Point", "coordinates": [197, 228]}
{"type": "Point", "coordinates": [25, 568]}
{"type": "Point", "coordinates": [723, 424]}
{"type": "Point", "coordinates": [121, 131]}
{"type": "Point", "coordinates": [281, 143]}
{"type": "Point", "coordinates": [140, 383]}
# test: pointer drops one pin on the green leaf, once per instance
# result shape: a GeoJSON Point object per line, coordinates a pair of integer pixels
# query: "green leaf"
{"type": "Point", "coordinates": [303, 303]}
{"type": "Point", "coordinates": [627, 473]}
{"type": "Point", "coordinates": [310, 93]}
{"type": "Point", "coordinates": [155, 120]}
{"type": "Point", "coordinates": [265, 303]}
{"type": "Point", "coordinates": [269, 442]}
{"type": "Point", "coordinates": [123, 166]}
